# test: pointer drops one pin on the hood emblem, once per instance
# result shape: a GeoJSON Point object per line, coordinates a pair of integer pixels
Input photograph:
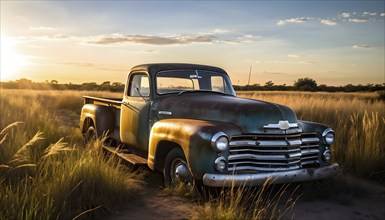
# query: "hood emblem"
{"type": "Point", "coordinates": [282, 125]}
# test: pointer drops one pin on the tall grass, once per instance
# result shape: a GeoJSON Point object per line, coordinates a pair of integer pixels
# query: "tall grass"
{"type": "Point", "coordinates": [357, 118]}
{"type": "Point", "coordinates": [46, 171]}
{"type": "Point", "coordinates": [265, 202]}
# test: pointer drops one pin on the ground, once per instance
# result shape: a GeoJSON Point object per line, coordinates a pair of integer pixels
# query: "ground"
{"type": "Point", "coordinates": [360, 199]}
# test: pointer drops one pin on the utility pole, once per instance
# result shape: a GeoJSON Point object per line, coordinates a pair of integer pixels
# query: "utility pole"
{"type": "Point", "coordinates": [248, 83]}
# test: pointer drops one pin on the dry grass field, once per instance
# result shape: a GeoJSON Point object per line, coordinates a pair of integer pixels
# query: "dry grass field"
{"type": "Point", "coordinates": [47, 172]}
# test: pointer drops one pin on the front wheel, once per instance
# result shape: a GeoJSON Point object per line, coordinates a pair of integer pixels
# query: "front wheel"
{"type": "Point", "coordinates": [175, 169]}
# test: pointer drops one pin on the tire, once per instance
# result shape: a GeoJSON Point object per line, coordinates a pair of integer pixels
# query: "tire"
{"type": "Point", "coordinates": [176, 170]}
{"type": "Point", "coordinates": [90, 135]}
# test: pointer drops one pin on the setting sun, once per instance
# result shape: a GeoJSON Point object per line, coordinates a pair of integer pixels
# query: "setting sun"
{"type": "Point", "coordinates": [11, 62]}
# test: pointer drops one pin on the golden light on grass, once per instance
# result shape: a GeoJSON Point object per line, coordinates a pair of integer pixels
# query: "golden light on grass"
{"type": "Point", "coordinates": [11, 62]}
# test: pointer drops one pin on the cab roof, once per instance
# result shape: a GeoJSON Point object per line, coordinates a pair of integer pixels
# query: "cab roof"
{"type": "Point", "coordinates": [153, 68]}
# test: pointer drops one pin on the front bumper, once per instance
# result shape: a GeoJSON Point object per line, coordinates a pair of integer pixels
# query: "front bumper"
{"type": "Point", "coordinates": [258, 179]}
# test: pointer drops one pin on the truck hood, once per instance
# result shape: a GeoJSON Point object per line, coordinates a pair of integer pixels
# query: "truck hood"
{"type": "Point", "coordinates": [248, 114]}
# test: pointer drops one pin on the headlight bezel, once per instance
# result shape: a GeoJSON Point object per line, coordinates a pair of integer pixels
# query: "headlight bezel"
{"type": "Point", "coordinates": [219, 162]}
{"type": "Point", "coordinates": [220, 146]}
{"type": "Point", "coordinates": [328, 136]}
{"type": "Point", "coordinates": [326, 155]}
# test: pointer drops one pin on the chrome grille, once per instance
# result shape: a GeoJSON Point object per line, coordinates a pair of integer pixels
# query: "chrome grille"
{"type": "Point", "coordinates": [309, 150]}
{"type": "Point", "coordinates": [267, 153]}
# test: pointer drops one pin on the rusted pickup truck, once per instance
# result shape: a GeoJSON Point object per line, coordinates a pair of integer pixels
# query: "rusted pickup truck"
{"type": "Point", "coordinates": [185, 121]}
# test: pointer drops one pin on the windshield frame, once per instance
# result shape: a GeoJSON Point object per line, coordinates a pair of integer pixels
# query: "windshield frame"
{"type": "Point", "coordinates": [224, 76]}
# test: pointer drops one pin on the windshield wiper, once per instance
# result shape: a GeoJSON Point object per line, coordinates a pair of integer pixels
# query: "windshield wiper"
{"type": "Point", "coordinates": [191, 91]}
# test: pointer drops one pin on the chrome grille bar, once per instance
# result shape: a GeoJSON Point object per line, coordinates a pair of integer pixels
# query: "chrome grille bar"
{"type": "Point", "coordinates": [270, 152]}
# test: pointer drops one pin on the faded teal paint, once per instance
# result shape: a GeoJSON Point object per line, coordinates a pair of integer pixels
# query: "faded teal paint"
{"type": "Point", "coordinates": [194, 137]}
{"type": "Point", "coordinates": [249, 115]}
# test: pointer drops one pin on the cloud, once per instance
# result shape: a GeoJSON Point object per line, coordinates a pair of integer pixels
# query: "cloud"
{"type": "Point", "coordinates": [294, 20]}
{"type": "Point", "coordinates": [95, 66]}
{"type": "Point", "coordinates": [296, 55]}
{"type": "Point", "coordinates": [45, 37]}
{"type": "Point", "coordinates": [358, 20]}
{"type": "Point", "coordinates": [80, 64]}
{"type": "Point", "coordinates": [361, 46]}
{"type": "Point", "coordinates": [221, 31]}
{"type": "Point", "coordinates": [150, 51]}
{"type": "Point", "coordinates": [345, 15]}
{"type": "Point", "coordinates": [328, 22]}
{"type": "Point", "coordinates": [273, 73]}
{"type": "Point", "coordinates": [306, 62]}
{"type": "Point", "coordinates": [369, 13]}
{"type": "Point", "coordinates": [42, 28]}
{"type": "Point", "coordinates": [247, 38]}
{"type": "Point", "coordinates": [151, 40]}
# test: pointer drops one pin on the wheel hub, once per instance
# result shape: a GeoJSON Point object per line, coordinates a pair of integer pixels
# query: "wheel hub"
{"type": "Point", "coordinates": [181, 173]}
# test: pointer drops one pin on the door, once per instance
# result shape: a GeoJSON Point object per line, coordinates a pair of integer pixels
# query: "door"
{"type": "Point", "coordinates": [134, 112]}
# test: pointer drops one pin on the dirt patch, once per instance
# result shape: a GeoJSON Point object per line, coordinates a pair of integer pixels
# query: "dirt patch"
{"type": "Point", "coordinates": [363, 200]}
{"type": "Point", "coordinates": [155, 203]}
{"type": "Point", "coordinates": [368, 203]}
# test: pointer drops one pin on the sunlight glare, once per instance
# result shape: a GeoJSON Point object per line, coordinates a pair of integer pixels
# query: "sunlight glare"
{"type": "Point", "coordinates": [11, 62]}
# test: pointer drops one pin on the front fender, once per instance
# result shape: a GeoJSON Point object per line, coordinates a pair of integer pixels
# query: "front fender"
{"type": "Point", "coordinates": [194, 138]}
{"type": "Point", "coordinates": [311, 127]}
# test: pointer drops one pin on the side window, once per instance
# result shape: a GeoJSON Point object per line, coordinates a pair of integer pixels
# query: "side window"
{"type": "Point", "coordinates": [217, 84]}
{"type": "Point", "coordinates": [140, 86]}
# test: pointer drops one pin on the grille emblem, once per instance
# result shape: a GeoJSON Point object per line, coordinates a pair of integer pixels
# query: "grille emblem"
{"type": "Point", "coordinates": [283, 125]}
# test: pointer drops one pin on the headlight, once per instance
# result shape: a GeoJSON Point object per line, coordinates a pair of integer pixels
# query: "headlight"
{"type": "Point", "coordinates": [326, 155]}
{"type": "Point", "coordinates": [220, 164]}
{"type": "Point", "coordinates": [219, 142]}
{"type": "Point", "coordinates": [328, 136]}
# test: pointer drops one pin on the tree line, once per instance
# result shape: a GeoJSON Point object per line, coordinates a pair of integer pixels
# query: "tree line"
{"type": "Point", "coordinates": [308, 84]}
{"type": "Point", "coordinates": [302, 84]}
{"type": "Point", "coordinates": [54, 85]}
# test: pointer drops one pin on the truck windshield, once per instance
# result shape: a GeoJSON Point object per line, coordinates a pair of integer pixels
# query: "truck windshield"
{"type": "Point", "coordinates": [176, 81]}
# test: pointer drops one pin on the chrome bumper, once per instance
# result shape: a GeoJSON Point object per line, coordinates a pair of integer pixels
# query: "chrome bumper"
{"type": "Point", "coordinates": [258, 179]}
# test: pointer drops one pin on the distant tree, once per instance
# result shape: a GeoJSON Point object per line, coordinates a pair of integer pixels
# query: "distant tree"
{"type": "Point", "coordinates": [89, 86]}
{"type": "Point", "coordinates": [117, 84]}
{"type": "Point", "coordinates": [24, 80]}
{"type": "Point", "coordinates": [350, 88]}
{"type": "Point", "coordinates": [322, 87]}
{"type": "Point", "coordinates": [54, 81]}
{"type": "Point", "coordinates": [106, 83]}
{"type": "Point", "coordinates": [305, 84]}
{"type": "Point", "coordinates": [269, 84]}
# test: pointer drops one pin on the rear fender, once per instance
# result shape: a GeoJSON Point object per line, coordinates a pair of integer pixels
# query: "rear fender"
{"type": "Point", "coordinates": [102, 117]}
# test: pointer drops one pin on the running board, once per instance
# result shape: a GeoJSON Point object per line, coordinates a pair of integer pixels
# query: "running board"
{"type": "Point", "coordinates": [131, 158]}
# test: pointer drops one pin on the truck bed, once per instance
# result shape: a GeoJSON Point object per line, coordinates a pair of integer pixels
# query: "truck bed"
{"type": "Point", "coordinates": [112, 102]}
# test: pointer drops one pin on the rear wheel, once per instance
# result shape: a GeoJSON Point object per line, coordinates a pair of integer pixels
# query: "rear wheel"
{"type": "Point", "coordinates": [175, 169]}
{"type": "Point", "coordinates": [90, 134]}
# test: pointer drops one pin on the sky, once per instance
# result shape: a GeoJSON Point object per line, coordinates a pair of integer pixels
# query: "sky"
{"type": "Point", "coordinates": [333, 42]}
